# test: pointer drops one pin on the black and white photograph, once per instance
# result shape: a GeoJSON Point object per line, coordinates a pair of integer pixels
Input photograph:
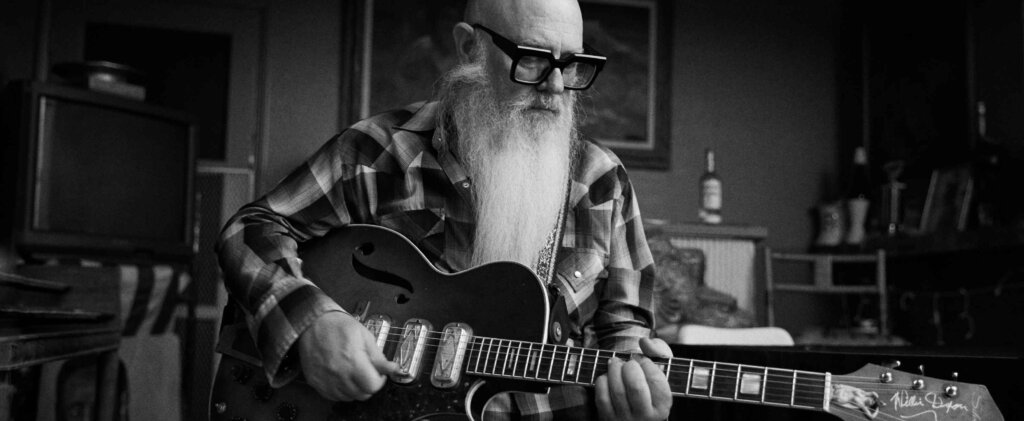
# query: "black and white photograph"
{"type": "Point", "coordinates": [489, 210]}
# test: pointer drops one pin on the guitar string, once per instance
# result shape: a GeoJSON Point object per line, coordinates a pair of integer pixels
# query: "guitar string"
{"type": "Point", "coordinates": [808, 385]}
{"type": "Point", "coordinates": [806, 388]}
{"type": "Point", "coordinates": [476, 344]}
{"type": "Point", "coordinates": [478, 340]}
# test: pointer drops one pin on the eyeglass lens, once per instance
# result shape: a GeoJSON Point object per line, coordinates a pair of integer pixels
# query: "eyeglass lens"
{"type": "Point", "coordinates": [531, 69]}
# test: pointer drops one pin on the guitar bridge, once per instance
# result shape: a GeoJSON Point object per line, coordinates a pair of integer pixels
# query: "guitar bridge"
{"type": "Point", "coordinates": [409, 355]}
{"type": "Point", "coordinates": [451, 351]}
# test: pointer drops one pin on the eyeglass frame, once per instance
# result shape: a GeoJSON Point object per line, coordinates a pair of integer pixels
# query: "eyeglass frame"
{"type": "Point", "coordinates": [516, 52]}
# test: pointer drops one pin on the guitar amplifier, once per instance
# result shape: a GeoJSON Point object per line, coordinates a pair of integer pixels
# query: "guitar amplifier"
{"type": "Point", "coordinates": [997, 369]}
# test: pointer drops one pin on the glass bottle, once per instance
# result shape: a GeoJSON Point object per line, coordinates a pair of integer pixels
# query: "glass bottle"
{"type": "Point", "coordinates": [710, 191]}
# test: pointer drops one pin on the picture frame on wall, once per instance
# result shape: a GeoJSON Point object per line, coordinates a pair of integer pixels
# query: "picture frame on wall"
{"type": "Point", "coordinates": [628, 108]}
{"type": "Point", "coordinates": [395, 50]}
{"type": "Point", "coordinates": [948, 201]}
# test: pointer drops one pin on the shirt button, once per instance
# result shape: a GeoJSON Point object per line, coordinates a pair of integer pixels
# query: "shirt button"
{"type": "Point", "coordinates": [577, 274]}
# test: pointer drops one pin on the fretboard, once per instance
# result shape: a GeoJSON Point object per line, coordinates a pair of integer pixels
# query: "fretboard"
{"type": "Point", "coordinates": [559, 364]}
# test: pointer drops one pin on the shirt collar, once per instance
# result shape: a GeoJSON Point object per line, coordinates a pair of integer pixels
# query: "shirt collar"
{"type": "Point", "coordinates": [424, 117]}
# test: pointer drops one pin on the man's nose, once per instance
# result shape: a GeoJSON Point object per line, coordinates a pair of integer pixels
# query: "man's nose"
{"type": "Point", "coordinates": [553, 83]}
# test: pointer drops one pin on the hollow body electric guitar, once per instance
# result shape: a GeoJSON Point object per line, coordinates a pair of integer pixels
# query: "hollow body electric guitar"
{"type": "Point", "coordinates": [462, 338]}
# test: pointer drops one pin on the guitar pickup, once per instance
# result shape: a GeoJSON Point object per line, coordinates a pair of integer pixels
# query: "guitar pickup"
{"type": "Point", "coordinates": [379, 326]}
{"type": "Point", "coordinates": [409, 355]}
{"type": "Point", "coordinates": [451, 351]}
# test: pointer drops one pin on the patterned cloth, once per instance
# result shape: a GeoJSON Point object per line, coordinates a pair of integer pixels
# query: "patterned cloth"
{"type": "Point", "coordinates": [388, 170]}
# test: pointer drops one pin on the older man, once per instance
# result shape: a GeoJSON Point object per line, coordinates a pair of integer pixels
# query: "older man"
{"type": "Point", "coordinates": [492, 170]}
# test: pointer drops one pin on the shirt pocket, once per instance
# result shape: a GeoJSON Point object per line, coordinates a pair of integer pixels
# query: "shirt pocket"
{"type": "Point", "coordinates": [580, 267]}
{"type": "Point", "coordinates": [415, 224]}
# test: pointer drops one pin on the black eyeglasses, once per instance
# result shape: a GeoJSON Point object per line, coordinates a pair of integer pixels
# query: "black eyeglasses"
{"type": "Point", "coordinates": [532, 65]}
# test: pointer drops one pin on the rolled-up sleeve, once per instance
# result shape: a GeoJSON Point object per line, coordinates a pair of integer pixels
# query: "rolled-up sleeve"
{"type": "Point", "coordinates": [258, 251]}
{"type": "Point", "coordinates": [624, 312]}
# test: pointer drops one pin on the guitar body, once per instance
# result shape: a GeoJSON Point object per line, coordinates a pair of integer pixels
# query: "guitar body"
{"type": "Point", "coordinates": [376, 271]}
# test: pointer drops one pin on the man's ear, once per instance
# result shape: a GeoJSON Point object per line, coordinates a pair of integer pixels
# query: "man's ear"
{"type": "Point", "coordinates": [464, 41]}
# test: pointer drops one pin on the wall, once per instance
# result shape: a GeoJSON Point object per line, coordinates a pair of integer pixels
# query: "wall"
{"type": "Point", "coordinates": [756, 82]}
{"type": "Point", "coordinates": [17, 38]}
{"type": "Point", "coordinates": [303, 79]}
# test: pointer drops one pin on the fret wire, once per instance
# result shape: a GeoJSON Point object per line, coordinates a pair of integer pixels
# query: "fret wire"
{"type": "Point", "coordinates": [677, 371]}
{"type": "Point", "coordinates": [579, 366]}
{"type": "Point", "coordinates": [489, 346]}
{"type": "Point", "coordinates": [529, 360]}
{"type": "Point", "coordinates": [552, 365]}
{"type": "Point", "coordinates": [477, 366]}
{"type": "Point", "coordinates": [497, 356]}
{"type": "Point", "coordinates": [508, 353]}
{"type": "Point", "coordinates": [792, 395]}
{"type": "Point", "coordinates": [711, 387]}
{"type": "Point", "coordinates": [565, 364]}
{"type": "Point", "coordinates": [593, 371]}
{"type": "Point", "coordinates": [668, 370]}
{"type": "Point", "coordinates": [540, 362]}
{"type": "Point", "coordinates": [736, 392]}
{"type": "Point", "coordinates": [493, 351]}
{"type": "Point", "coordinates": [515, 366]}
{"type": "Point", "coordinates": [689, 378]}
{"type": "Point", "coordinates": [764, 384]}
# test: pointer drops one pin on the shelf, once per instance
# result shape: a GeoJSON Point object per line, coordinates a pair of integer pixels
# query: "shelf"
{"type": "Point", "coordinates": [31, 349]}
{"type": "Point", "coordinates": [825, 257]}
{"type": "Point", "coordinates": [834, 289]}
{"type": "Point", "coordinates": [698, 230]}
{"type": "Point", "coordinates": [951, 242]}
{"type": "Point", "coordinates": [20, 282]}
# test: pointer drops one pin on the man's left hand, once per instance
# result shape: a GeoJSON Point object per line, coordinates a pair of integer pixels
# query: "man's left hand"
{"type": "Point", "coordinates": [635, 390]}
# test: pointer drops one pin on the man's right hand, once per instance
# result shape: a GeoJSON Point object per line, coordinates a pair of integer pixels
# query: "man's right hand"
{"type": "Point", "coordinates": [340, 358]}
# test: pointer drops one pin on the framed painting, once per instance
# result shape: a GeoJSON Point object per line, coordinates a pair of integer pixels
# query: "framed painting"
{"type": "Point", "coordinates": [628, 108]}
{"type": "Point", "coordinates": [394, 50]}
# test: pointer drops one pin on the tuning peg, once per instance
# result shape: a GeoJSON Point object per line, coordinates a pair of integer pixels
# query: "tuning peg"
{"type": "Point", "coordinates": [893, 364]}
{"type": "Point", "coordinates": [951, 389]}
{"type": "Point", "coordinates": [918, 384]}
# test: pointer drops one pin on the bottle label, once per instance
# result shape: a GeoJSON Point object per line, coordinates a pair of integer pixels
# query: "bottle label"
{"type": "Point", "coordinates": [711, 196]}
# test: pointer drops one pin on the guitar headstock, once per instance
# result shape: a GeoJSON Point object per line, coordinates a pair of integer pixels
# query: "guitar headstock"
{"type": "Point", "coordinates": [883, 393]}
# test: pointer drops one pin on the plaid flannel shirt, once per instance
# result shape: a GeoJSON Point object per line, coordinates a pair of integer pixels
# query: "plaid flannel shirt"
{"type": "Point", "coordinates": [387, 170]}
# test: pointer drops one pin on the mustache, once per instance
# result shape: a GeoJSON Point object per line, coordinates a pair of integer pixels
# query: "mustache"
{"type": "Point", "coordinates": [540, 101]}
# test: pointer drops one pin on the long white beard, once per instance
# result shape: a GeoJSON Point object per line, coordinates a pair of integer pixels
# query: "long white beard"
{"type": "Point", "coordinates": [518, 158]}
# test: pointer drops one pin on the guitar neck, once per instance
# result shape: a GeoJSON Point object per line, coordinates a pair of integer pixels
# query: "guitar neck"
{"type": "Point", "coordinates": [559, 364]}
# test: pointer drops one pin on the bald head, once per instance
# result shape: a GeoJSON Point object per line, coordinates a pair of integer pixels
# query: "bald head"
{"type": "Point", "coordinates": [553, 24]}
